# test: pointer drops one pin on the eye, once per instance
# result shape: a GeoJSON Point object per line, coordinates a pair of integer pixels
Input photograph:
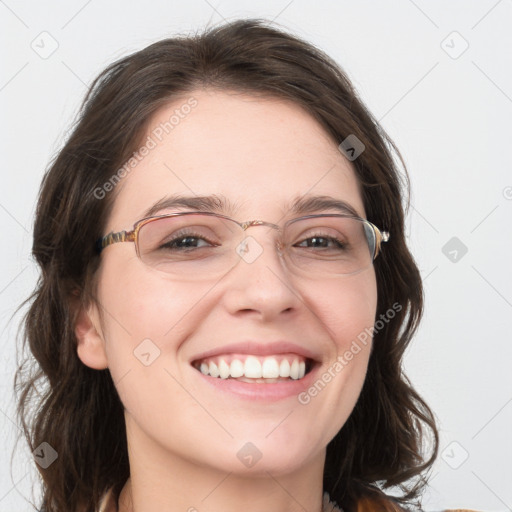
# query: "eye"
{"type": "Point", "coordinates": [186, 241]}
{"type": "Point", "coordinates": [321, 241]}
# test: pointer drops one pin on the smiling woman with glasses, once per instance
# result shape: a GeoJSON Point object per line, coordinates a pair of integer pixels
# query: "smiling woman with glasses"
{"type": "Point", "coordinates": [215, 363]}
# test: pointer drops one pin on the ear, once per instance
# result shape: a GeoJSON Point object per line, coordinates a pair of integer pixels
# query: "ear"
{"type": "Point", "coordinates": [91, 342]}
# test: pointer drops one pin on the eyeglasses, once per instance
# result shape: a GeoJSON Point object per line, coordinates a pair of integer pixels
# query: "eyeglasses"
{"type": "Point", "coordinates": [204, 245]}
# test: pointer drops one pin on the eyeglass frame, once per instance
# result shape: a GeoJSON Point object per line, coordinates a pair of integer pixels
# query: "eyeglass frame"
{"type": "Point", "coordinates": [132, 235]}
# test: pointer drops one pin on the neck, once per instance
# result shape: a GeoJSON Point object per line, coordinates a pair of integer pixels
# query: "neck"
{"type": "Point", "coordinates": [167, 482]}
{"type": "Point", "coordinates": [232, 499]}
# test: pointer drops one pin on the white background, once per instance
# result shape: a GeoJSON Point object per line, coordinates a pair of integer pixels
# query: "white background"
{"type": "Point", "coordinates": [450, 118]}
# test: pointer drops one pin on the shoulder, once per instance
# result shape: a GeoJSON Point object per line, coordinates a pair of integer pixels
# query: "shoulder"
{"type": "Point", "coordinates": [378, 504]}
{"type": "Point", "coordinates": [388, 505]}
{"type": "Point", "coordinates": [108, 504]}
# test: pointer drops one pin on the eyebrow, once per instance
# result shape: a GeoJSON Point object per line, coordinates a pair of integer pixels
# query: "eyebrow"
{"type": "Point", "coordinates": [214, 203]}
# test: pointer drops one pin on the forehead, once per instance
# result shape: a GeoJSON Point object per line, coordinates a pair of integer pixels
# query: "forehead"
{"type": "Point", "coordinates": [259, 154]}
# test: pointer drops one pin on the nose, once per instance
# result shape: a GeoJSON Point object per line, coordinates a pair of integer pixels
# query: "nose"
{"type": "Point", "coordinates": [260, 284]}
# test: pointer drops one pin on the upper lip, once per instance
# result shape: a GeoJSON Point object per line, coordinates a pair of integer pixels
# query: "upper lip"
{"type": "Point", "coordinates": [259, 349]}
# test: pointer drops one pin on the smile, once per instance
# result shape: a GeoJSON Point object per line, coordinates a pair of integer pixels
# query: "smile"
{"type": "Point", "coordinates": [255, 369]}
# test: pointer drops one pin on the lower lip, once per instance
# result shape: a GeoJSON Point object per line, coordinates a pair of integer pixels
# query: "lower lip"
{"type": "Point", "coordinates": [262, 392]}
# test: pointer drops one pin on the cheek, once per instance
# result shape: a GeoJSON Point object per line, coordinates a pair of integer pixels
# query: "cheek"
{"type": "Point", "coordinates": [347, 307]}
{"type": "Point", "coordinates": [141, 310]}
{"type": "Point", "coordinates": [147, 317]}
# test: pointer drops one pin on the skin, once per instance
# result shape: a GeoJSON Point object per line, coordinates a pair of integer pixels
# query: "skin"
{"type": "Point", "coordinates": [183, 437]}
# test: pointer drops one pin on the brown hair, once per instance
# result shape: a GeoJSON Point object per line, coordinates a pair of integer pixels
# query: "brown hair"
{"type": "Point", "coordinates": [79, 412]}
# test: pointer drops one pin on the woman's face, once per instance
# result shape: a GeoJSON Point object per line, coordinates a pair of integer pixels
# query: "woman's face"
{"type": "Point", "coordinates": [261, 155]}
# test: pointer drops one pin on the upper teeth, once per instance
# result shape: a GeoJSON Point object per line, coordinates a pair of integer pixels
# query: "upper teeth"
{"type": "Point", "coordinates": [254, 367]}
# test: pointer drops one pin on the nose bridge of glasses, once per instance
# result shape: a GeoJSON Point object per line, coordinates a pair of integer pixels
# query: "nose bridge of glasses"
{"type": "Point", "coordinates": [247, 224]}
{"type": "Point", "coordinates": [251, 244]}
{"type": "Point", "coordinates": [261, 223]}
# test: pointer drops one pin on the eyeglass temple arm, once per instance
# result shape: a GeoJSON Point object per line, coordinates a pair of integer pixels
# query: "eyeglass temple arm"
{"type": "Point", "coordinates": [381, 236]}
{"type": "Point", "coordinates": [112, 238]}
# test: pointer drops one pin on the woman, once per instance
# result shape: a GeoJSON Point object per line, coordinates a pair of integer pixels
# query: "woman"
{"type": "Point", "coordinates": [199, 361]}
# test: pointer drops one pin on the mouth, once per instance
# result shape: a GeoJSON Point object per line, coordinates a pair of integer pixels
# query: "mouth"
{"type": "Point", "coordinates": [254, 369]}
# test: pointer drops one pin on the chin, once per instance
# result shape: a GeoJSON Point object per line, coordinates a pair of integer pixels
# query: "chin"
{"type": "Point", "coordinates": [258, 456]}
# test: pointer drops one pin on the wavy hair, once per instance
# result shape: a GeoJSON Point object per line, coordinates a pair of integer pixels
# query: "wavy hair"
{"type": "Point", "coordinates": [389, 441]}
